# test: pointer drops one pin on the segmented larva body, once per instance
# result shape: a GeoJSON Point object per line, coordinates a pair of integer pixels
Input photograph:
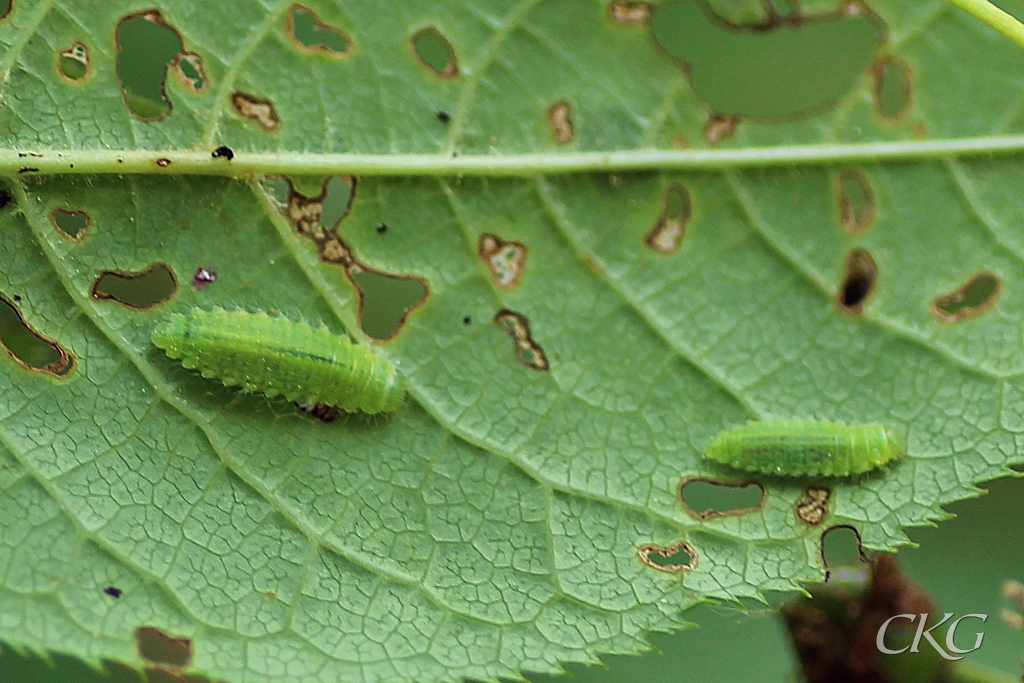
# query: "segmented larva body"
{"type": "Point", "coordinates": [280, 357]}
{"type": "Point", "coordinates": [794, 448]}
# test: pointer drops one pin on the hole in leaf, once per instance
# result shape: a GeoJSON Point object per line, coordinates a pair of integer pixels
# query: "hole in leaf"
{"type": "Point", "coordinates": [858, 281]}
{"type": "Point", "coordinates": [156, 646]}
{"type": "Point", "coordinates": [203, 278]}
{"type": "Point", "coordinates": [892, 88]}
{"type": "Point", "coordinates": [672, 558]}
{"type": "Point", "coordinates": [813, 505]}
{"type": "Point", "coordinates": [505, 260]}
{"type": "Point", "coordinates": [974, 297]}
{"type": "Point", "coordinates": [841, 547]}
{"type": "Point", "coordinates": [73, 63]}
{"type": "Point", "coordinates": [635, 13]}
{"type": "Point", "coordinates": [385, 300]}
{"type": "Point", "coordinates": [528, 352]}
{"type": "Point", "coordinates": [856, 201]}
{"type": "Point", "coordinates": [435, 52]}
{"type": "Point", "coordinates": [72, 224]}
{"type": "Point", "coordinates": [27, 347]}
{"type": "Point", "coordinates": [771, 68]}
{"type": "Point", "coordinates": [668, 232]}
{"type": "Point", "coordinates": [146, 46]}
{"type": "Point", "coordinates": [189, 68]}
{"type": "Point", "coordinates": [720, 498]}
{"type": "Point", "coordinates": [310, 34]}
{"type": "Point", "coordinates": [256, 109]}
{"type": "Point", "coordinates": [560, 122]}
{"type": "Point", "coordinates": [148, 288]}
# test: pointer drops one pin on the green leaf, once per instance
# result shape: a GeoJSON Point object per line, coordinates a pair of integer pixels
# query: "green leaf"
{"type": "Point", "coordinates": [523, 508]}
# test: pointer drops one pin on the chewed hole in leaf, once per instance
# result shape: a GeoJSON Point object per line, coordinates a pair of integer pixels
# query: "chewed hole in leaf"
{"type": "Point", "coordinates": [310, 34]}
{"type": "Point", "coordinates": [856, 201]}
{"type": "Point", "coordinates": [972, 298]}
{"type": "Point", "coordinates": [813, 505]}
{"type": "Point", "coordinates": [435, 52]}
{"type": "Point", "coordinates": [505, 260]}
{"type": "Point", "coordinates": [71, 224]}
{"type": "Point", "coordinates": [673, 558]}
{"type": "Point", "coordinates": [859, 280]}
{"type": "Point", "coordinates": [27, 347]}
{"type": "Point", "coordinates": [385, 300]}
{"type": "Point", "coordinates": [140, 290]}
{"type": "Point", "coordinates": [772, 68]}
{"type": "Point", "coordinates": [625, 12]}
{"type": "Point", "coordinates": [156, 646]}
{"type": "Point", "coordinates": [841, 547]}
{"type": "Point", "coordinates": [709, 498]}
{"type": "Point", "coordinates": [256, 109]}
{"type": "Point", "coordinates": [73, 63]}
{"type": "Point", "coordinates": [528, 352]}
{"type": "Point", "coordinates": [668, 232]}
{"type": "Point", "coordinates": [560, 122]}
{"type": "Point", "coordinates": [189, 68]}
{"type": "Point", "coordinates": [893, 89]}
{"type": "Point", "coordinates": [146, 46]}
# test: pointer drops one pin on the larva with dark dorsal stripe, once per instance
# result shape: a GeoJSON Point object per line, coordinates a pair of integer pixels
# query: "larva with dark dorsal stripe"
{"type": "Point", "coordinates": [796, 448]}
{"type": "Point", "coordinates": [280, 357]}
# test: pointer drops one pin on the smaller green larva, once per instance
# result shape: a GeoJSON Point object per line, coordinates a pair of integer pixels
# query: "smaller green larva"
{"type": "Point", "coordinates": [795, 448]}
{"type": "Point", "coordinates": [280, 357]}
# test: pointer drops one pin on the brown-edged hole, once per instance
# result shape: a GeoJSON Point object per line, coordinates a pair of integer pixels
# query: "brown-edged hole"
{"type": "Point", "coordinates": [709, 498]}
{"type": "Point", "coordinates": [144, 289]}
{"type": "Point", "coordinates": [892, 88]}
{"type": "Point", "coordinates": [71, 224]}
{"type": "Point", "coordinates": [435, 52]}
{"type": "Point", "coordinates": [859, 280]}
{"type": "Point", "coordinates": [673, 558]}
{"type": "Point", "coordinates": [27, 347]}
{"type": "Point", "coordinates": [975, 296]}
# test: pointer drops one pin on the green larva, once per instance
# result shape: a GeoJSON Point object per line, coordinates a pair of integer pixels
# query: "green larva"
{"type": "Point", "coordinates": [279, 357]}
{"type": "Point", "coordinates": [796, 448]}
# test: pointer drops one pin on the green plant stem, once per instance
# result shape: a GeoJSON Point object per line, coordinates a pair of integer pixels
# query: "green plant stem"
{"type": "Point", "coordinates": [968, 672]}
{"type": "Point", "coordinates": [61, 162]}
{"type": "Point", "coordinates": [1002, 21]}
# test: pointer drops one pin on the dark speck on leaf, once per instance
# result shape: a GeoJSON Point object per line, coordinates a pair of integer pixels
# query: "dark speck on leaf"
{"type": "Point", "coordinates": [382, 228]}
{"type": "Point", "coordinates": [112, 592]}
{"type": "Point", "coordinates": [224, 151]}
{"type": "Point", "coordinates": [467, 320]}
{"type": "Point", "coordinates": [28, 169]}
{"type": "Point", "coordinates": [443, 116]}
{"type": "Point", "coordinates": [17, 298]}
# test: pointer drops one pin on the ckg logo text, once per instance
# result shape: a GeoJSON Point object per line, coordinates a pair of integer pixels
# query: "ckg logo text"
{"type": "Point", "coordinates": [926, 634]}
